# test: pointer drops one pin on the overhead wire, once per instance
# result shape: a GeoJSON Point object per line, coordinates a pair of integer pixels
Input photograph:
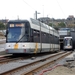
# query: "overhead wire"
{"type": "Point", "coordinates": [61, 8]}
{"type": "Point", "coordinates": [28, 4]}
{"type": "Point", "coordinates": [35, 9]}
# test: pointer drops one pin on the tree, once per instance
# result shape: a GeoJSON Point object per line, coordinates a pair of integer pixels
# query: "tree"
{"type": "Point", "coordinates": [2, 26]}
{"type": "Point", "coordinates": [61, 25]}
{"type": "Point", "coordinates": [51, 24]}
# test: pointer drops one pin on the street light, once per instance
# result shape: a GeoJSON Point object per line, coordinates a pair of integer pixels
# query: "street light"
{"type": "Point", "coordinates": [36, 14]}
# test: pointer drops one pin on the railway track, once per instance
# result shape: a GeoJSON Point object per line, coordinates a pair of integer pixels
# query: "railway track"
{"type": "Point", "coordinates": [5, 58]}
{"type": "Point", "coordinates": [11, 58]}
{"type": "Point", "coordinates": [30, 66]}
{"type": "Point", "coordinates": [8, 60]}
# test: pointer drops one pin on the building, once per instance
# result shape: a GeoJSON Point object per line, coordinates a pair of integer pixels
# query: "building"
{"type": "Point", "coordinates": [4, 21]}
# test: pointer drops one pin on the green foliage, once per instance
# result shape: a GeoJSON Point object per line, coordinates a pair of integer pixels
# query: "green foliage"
{"type": "Point", "coordinates": [61, 25]}
{"type": "Point", "coordinates": [52, 25]}
{"type": "Point", "coordinates": [2, 26]}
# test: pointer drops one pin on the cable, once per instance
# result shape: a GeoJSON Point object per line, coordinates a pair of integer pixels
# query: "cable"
{"type": "Point", "coordinates": [50, 69]}
{"type": "Point", "coordinates": [61, 8]}
{"type": "Point", "coordinates": [28, 4]}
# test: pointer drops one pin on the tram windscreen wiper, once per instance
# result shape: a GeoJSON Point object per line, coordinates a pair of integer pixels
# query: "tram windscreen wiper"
{"type": "Point", "coordinates": [20, 39]}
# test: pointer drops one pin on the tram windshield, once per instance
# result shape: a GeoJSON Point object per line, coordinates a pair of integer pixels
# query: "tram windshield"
{"type": "Point", "coordinates": [17, 33]}
{"type": "Point", "coordinates": [68, 42]}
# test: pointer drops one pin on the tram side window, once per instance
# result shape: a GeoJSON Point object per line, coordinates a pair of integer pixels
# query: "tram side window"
{"type": "Point", "coordinates": [47, 38]}
{"type": "Point", "coordinates": [51, 38]}
{"type": "Point", "coordinates": [35, 36]}
{"type": "Point", "coordinates": [42, 37]}
{"type": "Point", "coordinates": [56, 40]}
{"type": "Point", "coordinates": [71, 42]}
{"type": "Point", "coordinates": [27, 31]}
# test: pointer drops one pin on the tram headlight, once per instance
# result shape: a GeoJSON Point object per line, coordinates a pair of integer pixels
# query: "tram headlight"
{"type": "Point", "coordinates": [24, 45]}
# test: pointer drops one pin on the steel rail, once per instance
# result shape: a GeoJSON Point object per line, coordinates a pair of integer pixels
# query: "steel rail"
{"type": "Point", "coordinates": [31, 67]}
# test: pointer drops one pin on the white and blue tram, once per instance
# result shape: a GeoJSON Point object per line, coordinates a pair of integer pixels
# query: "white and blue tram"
{"type": "Point", "coordinates": [68, 43]}
{"type": "Point", "coordinates": [30, 36]}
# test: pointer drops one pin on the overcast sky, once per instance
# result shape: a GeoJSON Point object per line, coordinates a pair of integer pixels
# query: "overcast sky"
{"type": "Point", "coordinates": [58, 9]}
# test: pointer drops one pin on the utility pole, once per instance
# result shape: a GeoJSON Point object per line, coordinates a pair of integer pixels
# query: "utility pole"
{"type": "Point", "coordinates": [18, 17]}
{"type": "Point", "coordinates": [36, 14]}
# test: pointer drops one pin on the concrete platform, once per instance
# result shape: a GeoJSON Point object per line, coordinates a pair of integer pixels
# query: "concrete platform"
{"type": "Point", "coordinates": [2, 41]}
{"type": "Point", "coordinates": [70, 57]}
{"type": "Point", "coordinates": [2, 51]}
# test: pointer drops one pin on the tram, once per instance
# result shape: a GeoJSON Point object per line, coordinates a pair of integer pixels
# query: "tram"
{"type": "Point", "coordinates": [68, 43]}
{"type": "Point", "coordinates": [30, 36]}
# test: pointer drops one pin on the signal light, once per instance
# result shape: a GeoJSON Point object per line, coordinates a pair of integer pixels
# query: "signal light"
{"type": "Point", "coordinates": [6, 50]}
{"type": "Point", "coordinates": [24, 50]}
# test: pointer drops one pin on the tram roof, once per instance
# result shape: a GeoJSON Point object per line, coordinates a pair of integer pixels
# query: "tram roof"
{"type": "Point", "coordinates": [67, 37]}
{"type": "Point", "coordinates": [10, 21]}
{"type": "Point", "coordinates": [37, 22]}
{"type": "Point", "coordinates": [33, 21]}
